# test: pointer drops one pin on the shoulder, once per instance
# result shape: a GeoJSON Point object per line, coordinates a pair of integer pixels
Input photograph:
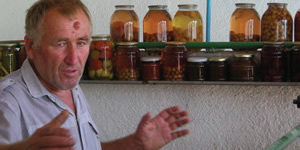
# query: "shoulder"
{"type": "Point", "coordinates": [11, 84]}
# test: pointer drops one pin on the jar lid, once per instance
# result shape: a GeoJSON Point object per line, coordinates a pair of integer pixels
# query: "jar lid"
{"type": "Point", "coordinates": [22, 44]}
{"type": "Point", "coordinates": [217, 59]}
{"type": "Point", "coordinates": [101, 37]}
{"type": "Point", "coordinates": [197, 59]}
{"type": "Point", "coordinates": [124, 6]}
{"type": "Point", "coordinates": [187, 5]}
{"type": "Point", "coordinates": [245, 4]}
{"type": "Point", "coordinates": [242, 55]}
{"type": "Point", "coordinates": [126, 43]}
{"type": "Point", "coordinates": [157, 6]}
{"type": "Point", "coordinates": [273, 43]}
{"type": "Point", "coordinates": [150, 58]}
{"type": "Point", "coordinates": [278, 4]}
{"type": "Point", "coordinates": [7, 44]}
{"type": "Point", "coordinates": [174, 43]}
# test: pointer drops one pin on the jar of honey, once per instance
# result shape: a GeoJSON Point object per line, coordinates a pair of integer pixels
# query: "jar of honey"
{"type": "Point", "coordinates": [244, 23]}
{"type": "Point", "coordinates": [196, 69]}
{"type": "Point", "coordinates": [174, 61]}
{"type": "Point", "coordinates": [8, 58]}
{"type": "Point", "coordinates": [218, 69]}
{"type": "Point", "coordinates": [124, 24]}
{"type": "Point", "coordinates": [277, 23]}
{"type": "Point", "coordinates": [150, 68]}
{"type": "Point", "coordinates": [295, 62]}
{"type": "Point", "coordinates": [100, 60]}
{"type": "Point", "coordinates": [157, 24]}
{"type": "Point", "coordinates": [127, 61]}
{"type": "Point", "coordinates": [187, 24]}
{"type": "Point", "coordinates": [274, 62]}
{"type": "Point", "coordinates": [243, 67]}
{"type": "Point", "coordinates": [297, 26]}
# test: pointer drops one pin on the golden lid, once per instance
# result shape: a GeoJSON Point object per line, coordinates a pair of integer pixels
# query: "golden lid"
{"type": "Point", "coordinates": [242, 55]}
{"type": "Point", "coordinates": [100, 37]}
{"type": "Point", "coordinates": [7, 44]}
{"type": "Point", "coordinates": [157, 6]}
{"type": "Point", "coordinates": [126, 43]}
{"type": "Point", "coordinates": [174, 43]}
{"type": "Point", "coordinates": [217, 59]}
{"type": "Point", "coordinates": [123, 6]}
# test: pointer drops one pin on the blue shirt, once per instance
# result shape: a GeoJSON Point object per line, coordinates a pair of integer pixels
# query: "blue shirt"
{"type": "Point", "coordinates": [26, 105]}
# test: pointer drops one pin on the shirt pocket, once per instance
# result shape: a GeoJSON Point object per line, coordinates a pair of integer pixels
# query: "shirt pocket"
{"type": "Point", "coordinates": [91, 138]}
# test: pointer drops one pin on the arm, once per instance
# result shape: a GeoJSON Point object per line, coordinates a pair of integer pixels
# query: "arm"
{"type": "Point", "coordinates": [153, 133]}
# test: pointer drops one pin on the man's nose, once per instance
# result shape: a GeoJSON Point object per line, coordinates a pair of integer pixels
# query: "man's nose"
{"type": "Point", "coordinates": [71, 55]}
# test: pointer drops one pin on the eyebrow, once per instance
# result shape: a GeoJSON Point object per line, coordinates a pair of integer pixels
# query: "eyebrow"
{"type": "Point", "coordinates": [85, 38]}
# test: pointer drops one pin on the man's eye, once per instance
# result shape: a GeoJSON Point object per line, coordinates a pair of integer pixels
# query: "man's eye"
{"type": "Point", "coordinates": [61, 44]}
{"type": "Point", "coordinates": [81, 43]}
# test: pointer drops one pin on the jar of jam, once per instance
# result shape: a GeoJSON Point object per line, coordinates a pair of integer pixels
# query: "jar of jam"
{"type": "Point", "coordinates": [297, 26]}
{"type": "Point", "coordinates": [21, 54]}
{"type": "Point", "coordinates": [157, 24]}
{"type": "Point", "coordinates": [150, 68]}
{"type": "Point", "coordinates": [8, 57]}
{"type": "Point", "coordinates": [127, 61]}
{"type": "Point", "coordinates": [124, 24]}
{"type": "Point", "coordinates": [273, 62]}
{"type": "Point", "coordinates": [277, 23]}
{"type": "Point", "coordinates": [244, 23]}
{"type": "Point", "coordinates": [187, 24]}
{"type": "Point", "coordinates": [218, 69]}
{"type": "Point", "coordinates": [295, 62]}
{"type": "Point", "coordinates": [196, 68]}
{"type": "Point", "coordinates": [243, 67]}
{"type": "Point", "coordinates": [100, 60]}
{"type": "Point", "coordinates": [174, 61]}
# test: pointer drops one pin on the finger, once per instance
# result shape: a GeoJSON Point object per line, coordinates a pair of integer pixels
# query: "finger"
{"type": "Point", "coordinates": [175, 116]}
{"type": "Point", "coordinates": [179, 123]}
{"type": "Point", "coordinates": [56, 141]}
{"type": "Point", "coordinates": [50, 131]}
{"type": "Point", "coordinates": [180, 133]}
{"type": "Point", "coordinates": [169, 111]}
{"type": "Point", "coordinates": [145, 118]}
{"type": "Point", "coordinates": [59, 119]}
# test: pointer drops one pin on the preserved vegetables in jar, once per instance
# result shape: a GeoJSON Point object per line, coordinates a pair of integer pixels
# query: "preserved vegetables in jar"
{"type": "Point", "coordinates": [157, 24]}
{"type": "Point", "coordinates": [297, 26]}
{"type": "Point", "coordinates": [150, 68]}
{"type": "Point", "coordinates": [218, 69]}
{"type": "Point", "coordinates": [100, 60]}
{"type": "Point", "coordinates": [174, 61]}
{"type": "Point", "coordinates": [277, 23]}
{"type": "Point", "coordinates": [196, 68]}
{"type": "Point", "coordinates": [295, 63]}
{"type": "Point", "coordinates": [127, 61]}
{"type": "Point", "coordinates": [124, 24]}
{"type": "Point", "coordinates": [8, 62]}
{"type": "Point", "coordinates": [187, 24]}
{"type": "Point", "coordinates": [244, 23]}
{"type": "Point", "coordinates": [21, 54]}
{"type": "Point", "coordinates": [243, 67]}
{"type": "Point", "coordinates": [273, 62]}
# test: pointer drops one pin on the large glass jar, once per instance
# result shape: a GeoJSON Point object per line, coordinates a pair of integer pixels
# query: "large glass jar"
{"type": "Point", "coordinates": [196, 69]}
{"type": "Point", "coordinates": [218, 69]}
{"type": "Point", "coordinates": [157, 24]}
{"type": "Point", "coordinates": [174, 61]}
{"type": "Point", "coordinates": [273, 62]}
{"type": "Point", "coordinates": [127, 61]}
{"type": "Point", "coordinates": [21, 55]}
{"type": "Point", "coordinates": [295, 63]}
{"type": "Point", "coordinates": [244, 23]}
{"type": "Point", "coordinates": [297, 26]}
{"type": "Point", "coordinates": [187, 24]}
{"type": "Point", "coordinates": [150, 68]}
{"type": "Point", "coordinates": [100, 60]}
{"type": "Point", "coordinates": [124, 24]}
{"type": "Point", "coordinates": [243, 67]}
{"type": "Point", "coordinates": [8, 59]}
{"type": "Point", "coordinates": [277, 23]}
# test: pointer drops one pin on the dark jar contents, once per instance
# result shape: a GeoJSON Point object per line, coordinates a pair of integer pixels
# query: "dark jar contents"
{"type": "Point", "coordinates": [243, 68]}
{"type": "Point", "coordinates": [196, 69]}
{"type": "Point", "coordinates": [174, 61]}
{"type": "Point", "coordinates": [150, 68]}
{"type": "Point", "coordinates": [8, 59]}
{"type": "Point", "coordinates": [295, 63]}
{"type": "Point", "coordinates": [218, 69]}
{"type": "Point", "coordinates": [297, 26]}
{"type": "Point", "coordinates": [273, 62]}
{"type": "Point", "coordinates": [21, 55]}
{"type": "Point", "coordinates": [127, 61]}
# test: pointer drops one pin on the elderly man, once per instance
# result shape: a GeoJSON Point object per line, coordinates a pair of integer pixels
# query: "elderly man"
{"type": "Point", "coordinates": [42, 105]}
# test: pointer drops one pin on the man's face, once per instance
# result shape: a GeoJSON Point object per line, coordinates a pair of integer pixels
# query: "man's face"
{"type": "Point", "coordinates": [64, 47]}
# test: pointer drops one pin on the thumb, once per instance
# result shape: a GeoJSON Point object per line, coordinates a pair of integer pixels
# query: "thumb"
{"type": "Point", "coordinates": [59, 119]}
{"type": "Point", "coordinates": [145, 118]}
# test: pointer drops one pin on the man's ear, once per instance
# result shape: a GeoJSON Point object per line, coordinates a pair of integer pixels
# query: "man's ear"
{"type": "Point", "coordinates": [29, 47]}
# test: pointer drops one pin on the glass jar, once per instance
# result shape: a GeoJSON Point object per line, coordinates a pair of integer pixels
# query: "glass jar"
{"type": "Point", "coordinates": [174, 61]}
{"type": "Point", "coordinates": [295, 62]}
{"type": "Point", "coordinates": [21, 54]}
{"type": "Point", "coordinates": [124, 24]}
{"type": "Point", "coordinates": [187, 24]}
{"type": "Point", "coordinates": [218, 68]}
{"type": "Point", "coordinates": [243, 67]}
{"type": "Point", "coordinates": [297, 26]}
{"type": "Point", "coordinates": [196, 68]}
{"type": "Point", "coordinates": [127, 61]}
{"type": "Point", "coordinates": [157, 24]}
{"type": "Point", "coordinates": [244, 23]}
{"type": "Point", "coordinates": [100, 60]}
{"type": "Point", "coordinates": [277, 23]}
{"type": "Point", "coordinates": [8, 57]}
{"type": "Point", "coordinates": [273, 62]}
{"type": "Point", "coordinates": [150, 68]}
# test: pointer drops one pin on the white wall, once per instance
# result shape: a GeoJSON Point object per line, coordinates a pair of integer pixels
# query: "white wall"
{"type": "Point", "coordinates": [224, 117]}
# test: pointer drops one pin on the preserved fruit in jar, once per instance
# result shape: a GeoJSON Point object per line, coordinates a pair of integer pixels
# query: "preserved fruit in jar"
{"type": "Point", "coordinates": [100, 60]}
{"type": "Point", "coordinates": [277, 23]}
{"type": "Point", "coordinates": [127, 61]}
{"type": "Point", "coordinates": [8, 62]}
{"type": "Point", "coordinates": [174, 61]}
{"type": "Point", "coordinates": [244, 23]}
{"type": "Point", "coordinates": [243, 67]}
{"type": "Point", "coordinates": [187, 24]}
{"type": "Point", "coordinates": [150, 68]}
{"type": "Point", "coordinates": [295, 63]}
{"type": "Point", "coordinates": [196, 68]}
{"type": "Point", "coordinates": [21, 54]}
{"type": "Point", "coordinates": [218, 69]}
{"type": "Point", "coordinates": [297, 26]}
{"type": "Point", "coordinates": [273, 62]}
{"type": "Point", "coordinates": [157, 24]}
{"type": "Point", "coordinates": [124, 24]}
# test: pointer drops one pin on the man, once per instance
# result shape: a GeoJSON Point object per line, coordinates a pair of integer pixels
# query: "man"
{"type": "Point", "coordinates": [42, 105]}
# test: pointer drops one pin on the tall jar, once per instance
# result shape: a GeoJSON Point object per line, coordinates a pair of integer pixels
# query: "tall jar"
{"type": "Point", "coordinates": [295, 62]}
{"type": "Point", "coordinates": [187, 24]}
{"type": "Point", "coordinates": [218, 69]}
{"type": "Point", "coordinates": [100, 60]}
{"type": "Point", "coordinates": [8, 59]}
{"type": "Point", "coordinates": [127, 61]}
{"type": "Point", "coordinates": [273, 62]}
{"type": "Point", "coordinates": [124, 24]}
{"type": "Point", "coordinates": [174, 61]}
{"type": "Point", "coordinates": [157, 24]}
{"type": "Point", "coordinates": [21, 55]}
{"type": "Point", "coordinates": [244, 23]}
{"type": "Point", "coordinates": [243, 67]}
{"type": "Point", "coordinates": [297, 26]}
{"type": "Point", "coordinates": [277, 23]}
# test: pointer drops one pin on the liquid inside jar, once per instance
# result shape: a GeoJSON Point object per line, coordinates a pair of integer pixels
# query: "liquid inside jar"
{"type": "Point", "coordinates": [218, 69]}
{"type": "Point", "coordinates": [297, 26]}
{"type": "Point", "coordinates": [196, 69]}
{"type": "Point", "coordinates": [8, 59]}
{"type": "Point", "coordinates": [295, 63]}
{"type": "Point", "coordinates": [243, 68]}
{"type": "Point", "coordinates": [150, 68]}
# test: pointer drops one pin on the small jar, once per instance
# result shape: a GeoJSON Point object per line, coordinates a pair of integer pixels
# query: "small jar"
{"type": "Point", "coordinates": [297, 26]}
{"type": "Point", "coordinates": [100, 60]}
{"type": "Point", "coordinates": [157, 24]}
{"type": "Point", "coordinates": [21, 54]}
{"type": "Point", "coordinates": [150, 68]}
{"type": "Point", "coordinates": [295, 62]}
{"type": "Point", "coordinates": [124, 24]}
{"type": "Point", "coordinates": [244, 23]}
{"type": "Point", "coordinates": [274, 62]}
{"type": "Point", "coordinates": [243, 67]}
{"type": "Point", "coordinates": [174, 61]}
{"type": "Point", "coordinates": [277, 23]}
{"type": "Point", "coordinates": [196, 68]}
{"type": "Point", "coordinates": [187, 24]}
{"type": "Point", "coordinates": [218, 69]}
{"type": "Point", "coordinates": [127, 61]}
{"type": "Point", "coordinates": [8, 58]}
